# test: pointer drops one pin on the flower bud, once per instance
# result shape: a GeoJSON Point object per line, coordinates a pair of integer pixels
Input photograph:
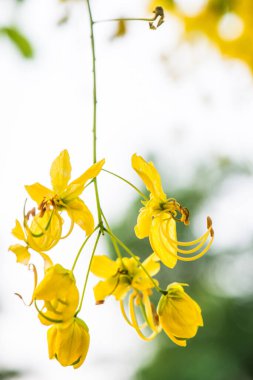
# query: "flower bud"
{"type": "Point", "coordinates": [69, 342]}
{"type": "Point", "coordinates": [179, 315]}
{"type": "Point", "coordinates": [59, 291]}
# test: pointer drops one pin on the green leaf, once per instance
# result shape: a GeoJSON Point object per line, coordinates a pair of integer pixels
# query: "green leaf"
{"type": "Point", "coordinates": [19, 40]}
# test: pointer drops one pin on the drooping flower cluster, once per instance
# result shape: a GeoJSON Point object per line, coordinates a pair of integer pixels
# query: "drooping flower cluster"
{"type": "Point", "coordinates": [68, 338]}
{"type": "Point", "coordinates": [127, 278]}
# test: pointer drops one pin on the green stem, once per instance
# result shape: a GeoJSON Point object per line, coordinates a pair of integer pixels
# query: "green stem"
{"type": "Point", "coordinates": [128, 182]}
{"type": "Point", "coordinates": [81, 248]}
{"type": "Point", "coordinates": [125, 19]}
{"type": "Point", "coordinates": [114, 243]}
{"type": "Point", "coordinates": [88, 272]}
{"type": "Point", "coordinates": [94, 130]}
{"type": "Point", "coordinates": [136, 259]}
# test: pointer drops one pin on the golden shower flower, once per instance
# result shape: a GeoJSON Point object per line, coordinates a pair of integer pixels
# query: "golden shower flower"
{"type": "Point", "coordinates": [157, 220]}
{"type": "Point", "coordinates": [122, 275]}
{"type": "Point", "coordinates": [39, 242]}
{"type": "Point", "coordinates": [64, 196]}
{"type": "Point", "coordinates": [59, 292]}
{"type": "Point", "coordinates": [69, 342]}
{"type": "Point", "coordinates": [179, 315]}
{"type": "Point", "coordinates": [131, 284]}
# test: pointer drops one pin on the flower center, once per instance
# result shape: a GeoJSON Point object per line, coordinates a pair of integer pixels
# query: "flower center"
{"type": "Point", "coordinates": [178, 212]}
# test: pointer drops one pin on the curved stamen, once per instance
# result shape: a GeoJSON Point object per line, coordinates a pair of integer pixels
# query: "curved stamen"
{"type": "Point", "coordinates": [31, 267]}
{"type": "Point", "coordinates": [134, 320]}
{"type": "Point", "coordinates": [46, 317]}
{"type": "Point", "coordinates": [188, 243]}
{"type": "Point", "coordinates": [196, 257]}
{"type": "Point", "coordinates": [69, 231]}
{"type": "Point", "coordinates": [183, 251]}
{"type": "Point", "coordinates": [150, 314]}
{"type": "Point", "coordinates": [43, 230]}
{"type": "Point", "coordinates": [166, 242]}
{"type": "Point", "coordinates": [122, 308]}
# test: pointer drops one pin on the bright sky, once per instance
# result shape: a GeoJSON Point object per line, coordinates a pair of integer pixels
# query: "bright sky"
{"type": "Point", "coordinates": [180, 104]}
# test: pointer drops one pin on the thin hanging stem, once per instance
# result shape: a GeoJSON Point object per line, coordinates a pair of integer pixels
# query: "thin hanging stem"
{"type": "Point", "coordinates": [128, 182]}
{"type": "Point", "coordinates": [136, 259]}
{"type": "Point", "coordinates": [114, 242]}
{"type": "Point", "coordinates": [82, 247]}
{"type": "Point", "coordinates": [94, 130]}
{"type": "Point", "coordinates": [88, 271]}
{"type": "Point", "coordinates": [125, 19]}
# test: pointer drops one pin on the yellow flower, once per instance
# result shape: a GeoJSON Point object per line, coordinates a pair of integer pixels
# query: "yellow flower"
{"type": "Point", "coordinates": [122, 275]}
{"type": "Point", "coordinates": [59, 292]}
{"type": "Point", "coordinates": [179, 315]}
{"type": "Point", "coordinates": [69, 342]}
{"type": "Point", "coordinates": [44, 240]}
{"type": "Point", "coordinates": [65, 196]}
{"type": "Point", "coordinates": [157, 220]}
{"type": "Point", "coordinates": [126, 277]}
{"type": "Point", "coordinates": [227, 24]}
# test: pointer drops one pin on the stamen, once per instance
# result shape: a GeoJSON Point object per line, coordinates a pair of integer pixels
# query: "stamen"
{"type": "Point", "coordinates": [70, 230]}
{"type": "Point", "coordinates": [122, 308]}
{"type": "Point", "coordinates": [166, 241]}
{"type": "Point", "coordinates": [44, 230]}
{"type": "Point", "coordinates": [32, 268]}
{"type": "Point", "coordinates": [188, 243]}
{"type": "Point", "coordinates": [189, 251]}
{"type": "Point", "coordinates": [134, 320]}
{"type": "Point", "coordinates": [150, 314]}
{"type": "Point", "coordinates": [45, 316]}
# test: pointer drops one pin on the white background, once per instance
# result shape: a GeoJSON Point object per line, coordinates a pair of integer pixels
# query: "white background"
{"type": "Point", "coordinates": [183, 105]}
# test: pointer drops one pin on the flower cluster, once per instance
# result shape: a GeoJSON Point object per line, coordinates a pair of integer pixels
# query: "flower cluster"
{"type": "Point", "coordinates": [127, 278]}
{"type": "Point", "coordinates": [41, 230]}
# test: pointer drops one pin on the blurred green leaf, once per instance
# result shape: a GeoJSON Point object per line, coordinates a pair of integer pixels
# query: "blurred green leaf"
{"type": "Point", "coordinates": [8, 374]}
{"type": "Point", "coordinates": [19, 40]}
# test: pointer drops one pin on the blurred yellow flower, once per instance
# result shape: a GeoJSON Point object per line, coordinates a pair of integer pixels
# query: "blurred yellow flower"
{"type": "Point", "coordinates": [157, 220]}
{"type": "Point", "coordinates": [179, 315]}
{"type": "Point", "coordinates": [227, 24]}
{"type": "Point", "coordinates": [65, 195]}
{"type": "Point", "coordinates": [69, 342]}
{"type": "Point", "coordinates": [59, 292]}
{"type": "Point", "coordinates": [122, 275]}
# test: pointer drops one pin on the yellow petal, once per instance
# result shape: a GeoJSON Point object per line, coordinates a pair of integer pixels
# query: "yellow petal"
{"type": "Point", "coordinates": [39, 192]}
{"type": "Point", "coordinates": [45, 231]}
{"type": "Point", "coordinates": [56, 284]}
{"type": "Point", "coordinates": [51, 341]}
{"type": "Point", "coordinates": [22, 253]}
{"type": "Point", "coordinates": [161, 246]}
{"type": "Point", "coordinates": [122, 288]}
{"type": "Point", "coordinates": [104, 289]}
{"type": "Point", "coordinates": [18, 231]}
{"type": "Point", "coordinates": [60, 172]}
{"type": "Point", "coordinates": [69, 342]}
{"type": "Point", "coordinates": [144, 220]}
{"type": "Point", "coordinates": [149, 175]}
{"type": "Point", "coordinates": [179, 315]}
{"type": "Point", "coordinates": [104, 267]}
{"type": "Point", "coordinates": [92, 172]}
{"type": "Point", "coordinates": [80, 214]}
{"type": "Point", "coordinates": [151, 264]}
